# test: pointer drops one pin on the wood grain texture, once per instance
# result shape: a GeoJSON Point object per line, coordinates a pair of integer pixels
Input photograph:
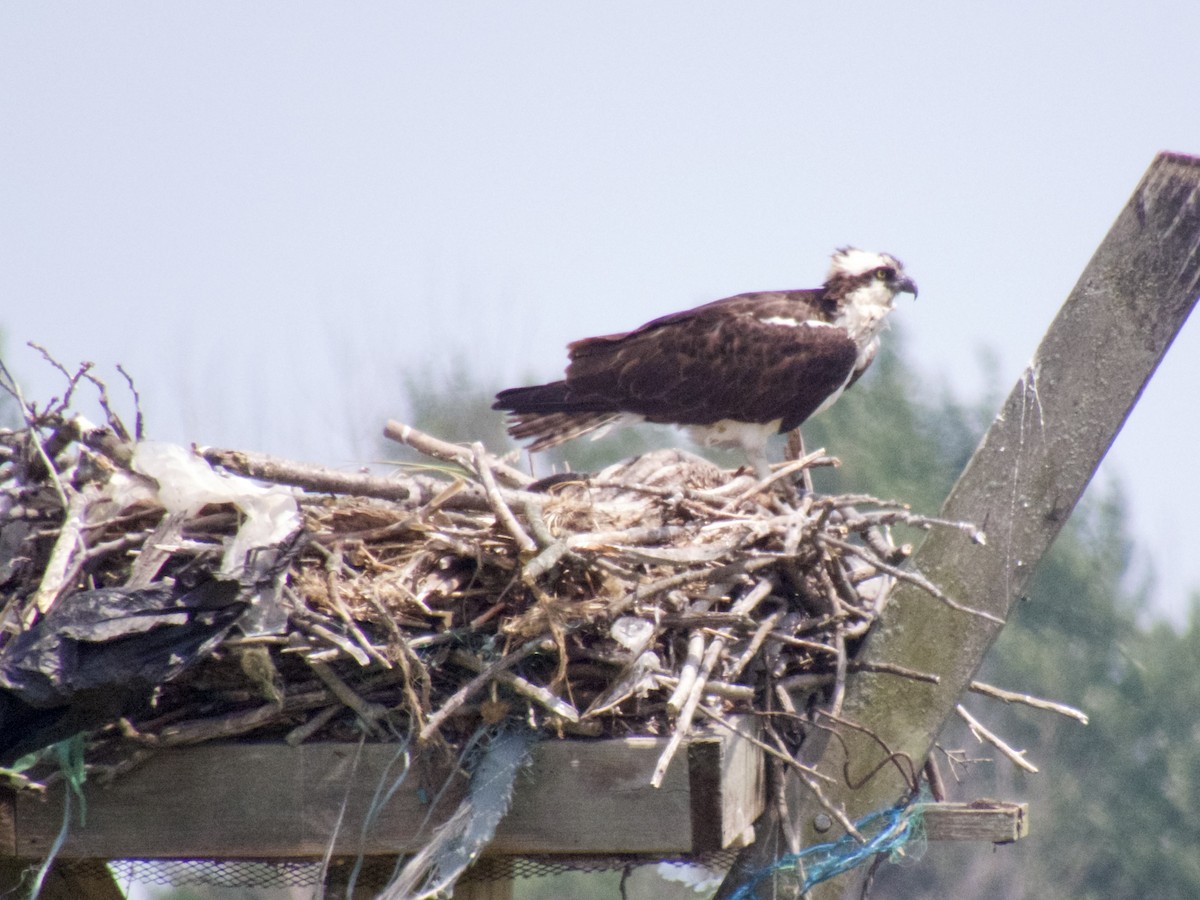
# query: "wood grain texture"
{"type": "Point", "coordinates": [992, 821]}
{"type": "Point", "coordinates": [727, 787]}
{"type": "Point", "coordinates": [271, 801]}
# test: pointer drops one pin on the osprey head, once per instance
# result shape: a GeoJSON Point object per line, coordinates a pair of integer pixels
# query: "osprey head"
{"type": "Point", "coordinates": [862, 288]}
{"type": "Point", "coordinates": [852, 268]}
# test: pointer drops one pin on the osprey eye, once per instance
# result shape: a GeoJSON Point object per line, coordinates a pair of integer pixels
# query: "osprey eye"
{"type": "Point", "coordinates": [885, 274]}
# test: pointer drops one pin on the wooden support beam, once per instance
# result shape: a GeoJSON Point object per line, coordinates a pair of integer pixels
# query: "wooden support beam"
{"type": "Point", "coordinates": [1020, 486]}
{"type": "Point", "coordinates": [474, 887]}
{"type": "Point", "coordinates": [229, 801]}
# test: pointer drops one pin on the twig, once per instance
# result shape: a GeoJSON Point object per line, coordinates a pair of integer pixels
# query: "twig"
{"type": "Point", "coordinates": [309, 477]}
{"type": "Point", "coordinates": [893, 669]}
{"type": "Point", "coordinates": [553, 549]}
{"type": "Point", "coordinates": [410, 664]}
{"type": "Point", "coordinates": [345, 645]}
{"type": "Point", "coordinates": [1062, 709]}
{"type": "Point", "coordinates": [693, 657]}
{"type": "Point", "coordinates": [683, 723]}
{"type": "Point", "coordinates": [57, 566]}
{"type": "Point", "coordinates": [741, 693]}
{"type": "Point", "coordinates": [444, 450]}
{"type": "Point", "coordinates": [914, 578]}
{"type": "Point", "coordinates": [765, 627]}
{"type": "Point", "coordinates": [522, 686]}
{"type": "Point", "coordinates": [315, 723]}
{"type": "Point", "coordinates": [525, 544]}
{"type": "Point", "coordinates": [785, 758]}
{"type": "Point", "coordinates": [368, 713]}
{"type": "Point", "coordinates": [114, 421]}
{"type": "Point", "coordinates": [198, 731]}
{"type": "Point", "coordinates": [34, 439]}
{"type": "Point", "coordinates": [789, 468]}
{"type": "Point", "coordinates": [982, 734]}
{"type": "Point", "coordinates": [465, 692]}
{"type": "Point", "coordinates": [839, 680]}
{"type": "Point", "coordinates": [138, 421]}
{"type": "Point", "coordinates": [333, 565]}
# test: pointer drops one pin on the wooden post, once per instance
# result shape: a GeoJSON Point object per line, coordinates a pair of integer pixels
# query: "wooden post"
{"type": "Point", "coordinates": [1020, 486]}
{"type": "Point", "coordinates": [67, 880]}
{"type": "Point", "coordinates": [473, 887]}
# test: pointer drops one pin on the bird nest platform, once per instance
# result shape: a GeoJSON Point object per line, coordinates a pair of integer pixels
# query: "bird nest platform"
{"type": "Point", "coordinates": [162, 603]}
{"type": "Point", "coordinates": [157, 596]}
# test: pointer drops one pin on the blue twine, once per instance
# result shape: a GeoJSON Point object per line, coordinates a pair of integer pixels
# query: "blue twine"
{"type": "Point", "coordinates": [69, 754]}
{"type": "Point", "coordinates": [890, 830]}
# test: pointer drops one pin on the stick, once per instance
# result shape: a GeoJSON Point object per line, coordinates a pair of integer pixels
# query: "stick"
{"type": "Point", "coordinates": [302, 733]}
{"type": "Point", "coordinates": [911, 577]}
{"type": "Point", "coordinates": [464, 693]}
{"type": "Point", "coordinates": [368, 713]}
{"type": "Point", "coordinates": [307, 476]}
{"type": "Point", "coordinates": [743, 693]}
{"type": "Point", "coordinates": [982, 734]}
{"type": "Point", "coordinates": [691, 663]}
{"type": "Point", "coordinates": [520, 685]}
{"type": "Point", "coordinates": [1062, 709]}
{"type": "Point", "coordinates": [683, 723]}
{"type": "Point", "coordinates": [525, 544]}
{"type": "Point", "coordinates": [59, 563]}
{"type": "Point", "coordinates": [444, 450]}
{"type": "Point", "coordinates": [765, 627]}
{"type": "Point", "coordinates": [333, 565]}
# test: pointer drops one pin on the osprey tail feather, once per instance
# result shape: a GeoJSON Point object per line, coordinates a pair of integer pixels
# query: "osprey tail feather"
{"type": "Point", "coordinates": [546, 413]}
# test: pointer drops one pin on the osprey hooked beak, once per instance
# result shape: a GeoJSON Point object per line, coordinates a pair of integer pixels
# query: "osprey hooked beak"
{"type": "Point", "coordinates": [905, 285]}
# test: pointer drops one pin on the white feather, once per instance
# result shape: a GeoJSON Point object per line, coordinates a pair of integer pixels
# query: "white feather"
{"type": "Point", "coordinates": [751, 436]}
{"type": "Point", "coordinates": [850, 261]}
{"type": "Point", "coordinates": [794, 323]}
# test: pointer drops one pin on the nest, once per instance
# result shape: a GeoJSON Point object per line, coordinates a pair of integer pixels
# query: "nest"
{"type": "Point", "coordinates": [639, 600]}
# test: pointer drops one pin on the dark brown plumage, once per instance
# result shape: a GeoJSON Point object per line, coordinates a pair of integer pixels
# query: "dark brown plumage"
{"type": "Point", "coordinates": [735, 370]}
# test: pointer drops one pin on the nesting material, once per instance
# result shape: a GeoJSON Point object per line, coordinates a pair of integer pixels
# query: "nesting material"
{"type": "Point", "coordinates": [642, 599]}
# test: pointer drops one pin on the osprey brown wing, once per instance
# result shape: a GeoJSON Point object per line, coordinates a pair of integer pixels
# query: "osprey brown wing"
{"type": "Point", "coordinates": [752, 358]}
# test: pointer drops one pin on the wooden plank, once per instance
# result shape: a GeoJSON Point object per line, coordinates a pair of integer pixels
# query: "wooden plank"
{"type": "Point", "coordinates": [269, 801]}
{"type": "Point", "coordinates": [1020, 486]}
{"type": "Point", "coordinates": [994, 821]}
{"type": "Point", "coordinates": [727, 788]}
{"type": "Point", "coordinates": [8, 822]}
{"type": "Point", "coordinates": [595, 797]}
{"type": "Point", "coordinates": [201, 801]}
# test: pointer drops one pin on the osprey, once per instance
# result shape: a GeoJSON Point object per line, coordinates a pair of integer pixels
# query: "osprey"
{"type": "Point", "coordinates": [734, 371]}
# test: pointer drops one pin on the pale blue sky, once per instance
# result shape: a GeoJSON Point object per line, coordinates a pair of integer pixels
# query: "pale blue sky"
{"type": "Point", "coordinates": [268, 212]}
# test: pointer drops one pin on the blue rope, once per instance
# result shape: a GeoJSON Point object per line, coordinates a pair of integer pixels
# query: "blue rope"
{"type": "Point", "coordinates": [889, 830]}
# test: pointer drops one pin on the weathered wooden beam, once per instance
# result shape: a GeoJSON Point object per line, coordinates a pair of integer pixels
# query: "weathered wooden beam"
{"type": "Point", "coordinates": [269, 801]}
{"type": "Point", "coordinates": [1020, 486]}
{"type": "Point", "coordinates": [994, 821]}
